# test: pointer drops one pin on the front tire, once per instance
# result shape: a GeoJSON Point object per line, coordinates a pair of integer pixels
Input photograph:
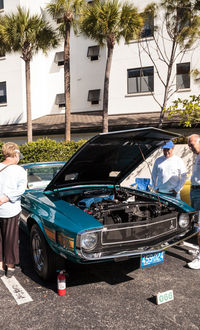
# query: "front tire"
{"type": "Point", "coordinates": [44, 259]}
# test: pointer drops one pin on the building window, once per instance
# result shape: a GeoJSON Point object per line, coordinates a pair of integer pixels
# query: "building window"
{"type": "Point", "coordinates": [59, 58]}
{"type": "Point", "coordinates": [3, 94]}
{"type": "Point", "coordinates": [1, 4]}
{"type": "Point", "coordinates": [148, 29]}
{"type": "Point", "coordinates": [183, 17]}
{"type": "Point", "coordinates": [140, 80]}
{"type": "Point", "coordinates": [93, 53]}
{"type": "Point", "coordinates": [94, 96]}
{"type": "Point", "coordinates": [60, 100]}
{"type": "Point", "coordinates": [183, 75]}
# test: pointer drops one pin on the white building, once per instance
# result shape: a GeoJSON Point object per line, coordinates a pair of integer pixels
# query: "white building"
{"type": "Point", "coordinates": [129, 91]}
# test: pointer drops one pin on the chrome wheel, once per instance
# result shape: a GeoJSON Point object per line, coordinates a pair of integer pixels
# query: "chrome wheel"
{"type": "Point", "coordinates": [40, 252]}
{"type": "Point", "coordinates": [37, 251]}
{"type": "Point", "coordinates": [45, 261]}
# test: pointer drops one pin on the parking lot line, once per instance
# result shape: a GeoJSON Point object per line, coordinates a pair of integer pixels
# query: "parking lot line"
{"type": "Point", "coordinates": [193, 246]}
{"type": "Point", "coordinates": [18, 292]}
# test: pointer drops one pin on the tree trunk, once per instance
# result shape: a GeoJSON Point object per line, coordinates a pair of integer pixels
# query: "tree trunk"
{"type": "Point", "coordinates": [162, 112]}
{"type": "Point", "coordinates": [28, 101]}
{"type": "Point", "coordinates": [106, 87]}
{"type": "Point", "coordinates": [169, 73]}
{"type": "Point", "coordinates": [67, 84]}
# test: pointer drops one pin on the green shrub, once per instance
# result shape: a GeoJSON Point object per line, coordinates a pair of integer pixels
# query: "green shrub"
{"type": "Point", "coordinates": [47, 149]}
{"type": "Point", "coordinates": [181, 140]}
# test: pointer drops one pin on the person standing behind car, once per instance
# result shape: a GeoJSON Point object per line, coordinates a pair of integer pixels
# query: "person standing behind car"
{"type": "Point", "coordinates": [13, 182]}
{"type": "Point", "coordinates": [194, 145]}
{"type": "Point", "coordinates": [169, 172]}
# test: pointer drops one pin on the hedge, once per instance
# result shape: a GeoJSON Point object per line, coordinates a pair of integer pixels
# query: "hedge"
{"type": "Point", "coordinates": [181, 140]}
{"type": "Point", "coordinates": [47, 149]}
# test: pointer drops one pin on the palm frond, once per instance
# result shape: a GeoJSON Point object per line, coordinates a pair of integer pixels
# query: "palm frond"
{"type": "Point", "coordinates": [110, 19]}
{"type": "Point", "coordinates": [64, 12]}
{"type": "Point", "coordinates": [25, 33]}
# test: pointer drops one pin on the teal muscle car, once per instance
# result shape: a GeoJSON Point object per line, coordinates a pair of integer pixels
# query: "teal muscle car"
{"type": "Point", "coordinates": [85, 214]}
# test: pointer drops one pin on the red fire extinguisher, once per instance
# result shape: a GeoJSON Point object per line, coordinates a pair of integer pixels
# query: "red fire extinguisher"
{"type": "Point", "coordinates": [61, 282]}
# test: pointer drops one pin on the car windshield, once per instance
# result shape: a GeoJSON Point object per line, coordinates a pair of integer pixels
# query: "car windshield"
{"type": "Point", "coordinates": [40, 176]}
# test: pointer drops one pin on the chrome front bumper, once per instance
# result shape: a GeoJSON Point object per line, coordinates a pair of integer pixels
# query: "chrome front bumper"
{"type": "Point", "coordinates": [131, 253]}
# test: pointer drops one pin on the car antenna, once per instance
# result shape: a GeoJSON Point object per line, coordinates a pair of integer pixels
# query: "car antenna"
{"type": "Point", "coordinates": [149, 172]}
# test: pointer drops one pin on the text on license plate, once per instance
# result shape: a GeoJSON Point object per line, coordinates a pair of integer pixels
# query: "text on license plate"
{"type": "Point", "coordinates": [151, 259]}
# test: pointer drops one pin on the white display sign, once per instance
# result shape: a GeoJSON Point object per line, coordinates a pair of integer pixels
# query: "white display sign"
{"type": "Point", "coordinates": [163, 297]}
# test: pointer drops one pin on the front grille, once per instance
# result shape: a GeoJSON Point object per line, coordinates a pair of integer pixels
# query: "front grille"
{"type": "Point", "coordinates": [138, 232]}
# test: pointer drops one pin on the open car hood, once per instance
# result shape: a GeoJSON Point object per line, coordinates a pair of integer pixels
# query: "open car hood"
{"type": "Point", "coordinates": [108, 158]}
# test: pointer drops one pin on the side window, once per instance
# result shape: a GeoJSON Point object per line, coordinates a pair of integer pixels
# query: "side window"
{"type": "Point", "coordinates": [93, 53]}
{"type": "Point", "coordinates": [183, 17]}
{"type": "Point", "coordinates": [59, 58]}
{"type": "Point", "coordinates": [1, 4]}
{"type": "Point", "coordinates": [183, 75]}
{"type": "Point", "coordinates": [148, 29]}
{"type": "Point", "coordinates": [94, 96]}
{"type": "Point", "coordinates": [140, 80]}
{"type": "Point", "coordinates": [3, 93]}
{"type": "Point", "coordinates": [60, 100]}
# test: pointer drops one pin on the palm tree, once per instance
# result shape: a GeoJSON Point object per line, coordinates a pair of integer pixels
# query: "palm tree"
{"type": "Point", "coordinates": [106, 22]}
{"type": "Point", "coordinates": [21, 32]}
{"type": "Point", "coordinates": [66, 13]}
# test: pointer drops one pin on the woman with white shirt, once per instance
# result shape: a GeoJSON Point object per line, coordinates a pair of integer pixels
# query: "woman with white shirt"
{"type": "Point", "coordinates": [13, 182]}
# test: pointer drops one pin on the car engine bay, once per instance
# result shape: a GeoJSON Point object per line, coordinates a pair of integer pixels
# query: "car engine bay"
{"type": "Point", "coordinates": [120, 206]}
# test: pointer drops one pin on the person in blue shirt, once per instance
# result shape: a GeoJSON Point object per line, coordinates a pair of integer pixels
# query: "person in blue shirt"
{"type": "Point", "coordinates": [169, 172]}
{"type": "Point", "coordinates": [13, 182]}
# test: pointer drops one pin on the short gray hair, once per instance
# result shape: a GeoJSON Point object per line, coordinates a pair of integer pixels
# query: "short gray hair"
{"type": "Point", "coordinates": [194, 135]}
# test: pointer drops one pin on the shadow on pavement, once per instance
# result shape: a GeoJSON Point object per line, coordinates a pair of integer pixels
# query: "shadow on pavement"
{"type": "Point", "coordinates": [77, 274]}
{"type": "Point", "coordinates": [26, 262]}
{"type": "Point", "coordinates": [152, 300]}
{"type": "Point", "coordinates": [178, 250]}
{"type": "Point", "coordinates": [178, 256]}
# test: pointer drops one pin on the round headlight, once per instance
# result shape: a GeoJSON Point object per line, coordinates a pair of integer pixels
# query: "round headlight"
{"type": "Point", "coordinates": [89, 241]}
{"type": "Point", "coordinates": [184, 220]}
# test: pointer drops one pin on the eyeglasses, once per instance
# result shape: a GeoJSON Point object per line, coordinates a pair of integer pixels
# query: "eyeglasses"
{"type": "Point", "coordinates": [20, 154]}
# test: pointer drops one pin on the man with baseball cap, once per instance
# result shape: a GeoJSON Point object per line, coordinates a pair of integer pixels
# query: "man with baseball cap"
{"type": "Point", "coordinates": [169, 172]}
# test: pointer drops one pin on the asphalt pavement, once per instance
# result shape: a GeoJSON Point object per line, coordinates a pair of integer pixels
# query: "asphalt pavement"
{"type": "Point", "coordinates": [106, 296]}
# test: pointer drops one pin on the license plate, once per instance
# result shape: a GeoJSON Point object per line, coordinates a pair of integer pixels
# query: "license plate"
{"type": "Point", "coordinates": [152, 259]}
